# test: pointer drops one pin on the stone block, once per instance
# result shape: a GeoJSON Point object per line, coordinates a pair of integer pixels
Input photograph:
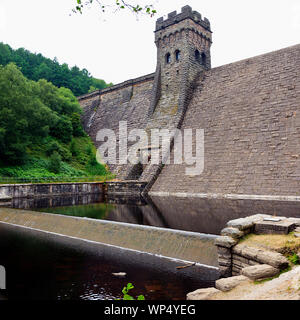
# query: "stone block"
{"type": "Point", "coordinates": [241, 224]}
{"type": "Point", "coordinates": [272, 227]}
{"type": "Point", "coordinates": [225, 271]}
{"type": "Point", "coordinates": [236, 271]}
{"type": "Point", "coordinates": [228, 284]}
{"type": "Point", "coordinates": [260, 272]}
{"type": "Point", "coordinates": [274, 259]}
{"type": "Point", "coordinates": [226, 242]}
{"type": "Point", "coordinates": [252, 262]}
{"type": "Point", "coordinates": [224, 262]}
{"type": "Point", "coordinates": [245, 251]}
{"type": "Point", "coordinates": [232, 232]}
{"type": "Point", "coordinates": [202, 294]}
{"type": "Point", "coordinates": [237, 257]}
{"type": "Point", "coordinates": [239, 264]}
{"type": "Point", "coordinates": [224, 251]}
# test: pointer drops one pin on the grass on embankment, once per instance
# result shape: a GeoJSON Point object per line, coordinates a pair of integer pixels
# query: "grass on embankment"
{"type": "Point", "coordinates": [285, 244]}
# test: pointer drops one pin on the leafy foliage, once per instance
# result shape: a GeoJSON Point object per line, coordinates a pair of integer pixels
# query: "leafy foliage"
{"type": "Point", "coordinates": [294, 258]}
{"type": "Point", "coordinates": [40, 130]}
{"type": "Point", "coordinates": [116, 5]}
{"type": "Point", "coordinates": [55, 162]}
{"type": "Point", "coordinates": [36, 67]}
{"type": "Point", "coordinates": [126, 296]}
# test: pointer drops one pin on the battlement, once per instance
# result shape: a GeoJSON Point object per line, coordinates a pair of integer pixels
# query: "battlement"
{"type": "Point", "coordinates": [186, 13]}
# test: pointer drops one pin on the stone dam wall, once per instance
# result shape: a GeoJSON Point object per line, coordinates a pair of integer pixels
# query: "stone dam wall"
{"type": "Point", "coordinates": [249, 113]}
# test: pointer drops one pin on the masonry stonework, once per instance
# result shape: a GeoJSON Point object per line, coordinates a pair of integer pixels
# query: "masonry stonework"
{"type": "Point", "coordinates": [248, 110]}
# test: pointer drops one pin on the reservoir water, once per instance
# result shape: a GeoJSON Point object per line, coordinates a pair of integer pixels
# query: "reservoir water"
{"type": "Point", "coordinates": [40, 267]}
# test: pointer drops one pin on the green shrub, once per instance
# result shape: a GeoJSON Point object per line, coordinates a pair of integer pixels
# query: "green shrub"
{"type": "Point", "coordinates": [73, 149]}
{"type": "Point", "coordinates": [51, 147]}
{"type": "Point", "coordinates": [294, 258]}
{"type": "Point", "coordinates": [55, 162]}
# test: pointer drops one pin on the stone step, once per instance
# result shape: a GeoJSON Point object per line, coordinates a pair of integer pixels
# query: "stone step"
{"type": "Point", "coordinates": [284, 226]}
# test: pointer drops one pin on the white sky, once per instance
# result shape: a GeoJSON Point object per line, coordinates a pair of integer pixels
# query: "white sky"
{"type": "Point", "coordinates": [117, 47]}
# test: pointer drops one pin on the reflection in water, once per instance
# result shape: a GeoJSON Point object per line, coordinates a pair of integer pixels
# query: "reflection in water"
{"type": "Point", "coordinates": [197, 215]}
{"type": "Point", "coordinates": [38, 268]}
{"type": "Point", "coordinates": [43, 268]}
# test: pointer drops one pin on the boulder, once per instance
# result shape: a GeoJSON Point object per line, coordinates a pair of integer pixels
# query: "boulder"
{"type": "Point", "coordinates": [202, 294]}
{"type": "Point", "coordinates": [226, 242]}
{"type": "Point", "coordinates": [260, 272]}
{"type": "Point", "coordinates": [274, 259]}
{"type": "Point", "coordinates": [232, 232]}
{"type": "Point", "coordinates": [228, 284]}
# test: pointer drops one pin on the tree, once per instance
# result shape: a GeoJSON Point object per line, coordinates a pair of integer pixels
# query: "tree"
{"type": "Point", "coordinates": [36, 67]}
{"type": "Point", "coordinates": [116, 6]}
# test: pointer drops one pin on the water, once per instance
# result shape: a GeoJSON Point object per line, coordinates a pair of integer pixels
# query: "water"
{"type": "Point", "coordinates": [197, 215]}
{"type": "Point", "coordinates": [41, 268]}
{"type": "Point", "coordinates": [44, 268]}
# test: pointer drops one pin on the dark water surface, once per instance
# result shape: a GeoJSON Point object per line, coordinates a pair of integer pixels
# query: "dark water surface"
{"type": "Point", "coordinates": [40, 268]}
{"type": "Point", "coordinates": [188, 214]}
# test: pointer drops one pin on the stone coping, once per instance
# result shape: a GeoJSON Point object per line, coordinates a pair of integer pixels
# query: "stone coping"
{"type": "Point", "coordinates": [118, 86]}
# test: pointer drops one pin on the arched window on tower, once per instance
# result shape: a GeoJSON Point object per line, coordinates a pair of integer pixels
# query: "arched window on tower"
{"type": "Point", "coordinates": [168, 58]}
{"type": "Point", "coordinates": [197, 55]}
{"type": "Point", "coordinates": [177, 55]}
{"type": "Point", "coordinates": [203, 58]}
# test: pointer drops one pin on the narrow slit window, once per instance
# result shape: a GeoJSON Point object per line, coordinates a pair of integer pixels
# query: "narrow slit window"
{"type": "Point", "coordinates": [177, 55]}
{"type": "Point", "coordinates": [197, 55]}
{"type": "Point", "coordinates": [203, 59]}
{"type": "Point", "coordinates": [168, 58]}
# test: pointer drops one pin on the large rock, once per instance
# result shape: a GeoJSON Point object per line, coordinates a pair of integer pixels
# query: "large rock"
{"type": "Point", "coordinates": [226, 242]}
{"type": "Point", "coordinates": [232, 232]}
{"type": "Point", "coordinates": [228, 284]}
{"type": "Point", "coordinates": [202, 294]}
{"type": "Point", "coordinates": [260, 272]}
{"type": "Point", "coordinates": [274, 259]}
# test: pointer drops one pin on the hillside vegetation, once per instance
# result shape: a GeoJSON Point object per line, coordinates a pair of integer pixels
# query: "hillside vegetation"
{"type": "Point", "coordinates": [41, 134]}
{"type": "Point", "coordinates": [36, 67]}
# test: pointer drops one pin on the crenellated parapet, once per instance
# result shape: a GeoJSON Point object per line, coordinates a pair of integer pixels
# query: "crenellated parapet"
{"type": "Point", "coordinates": [186, 13]}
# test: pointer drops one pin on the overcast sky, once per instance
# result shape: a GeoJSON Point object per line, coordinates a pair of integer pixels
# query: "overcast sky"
{"type": "Point", "coordinates": [117, 47]}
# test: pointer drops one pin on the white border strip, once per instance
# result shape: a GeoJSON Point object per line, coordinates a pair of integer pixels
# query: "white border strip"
{"type": "Point", "coordinates": [224, 196]}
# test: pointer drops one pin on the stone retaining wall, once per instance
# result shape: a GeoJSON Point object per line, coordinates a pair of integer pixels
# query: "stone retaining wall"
{"type": "Point", "coordinates": [125, 187]}
{"type": "Point", "coordinates": [234, 257]}
{"type": "Point", "coordinates": [49, 189]}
